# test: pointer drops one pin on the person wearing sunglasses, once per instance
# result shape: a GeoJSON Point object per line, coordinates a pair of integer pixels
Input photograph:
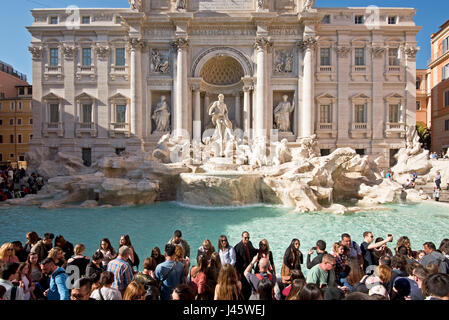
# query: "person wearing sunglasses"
{"type": "Point", "coordinates": [245, 253]}
{"type": "Point", "coordinates": [226, 251]}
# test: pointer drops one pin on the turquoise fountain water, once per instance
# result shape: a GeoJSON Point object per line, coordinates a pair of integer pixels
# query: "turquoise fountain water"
{"type": "Point", "coordinates": [153, 225]}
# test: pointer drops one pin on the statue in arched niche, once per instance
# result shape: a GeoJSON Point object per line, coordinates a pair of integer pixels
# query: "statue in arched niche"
{"type": "Point", "coordinates": [181, 4]}
{"type": "Point", "coordinates": [161, 116]}
{"type": "Point", "coordinates": [282, 114]}
{"type": "Point", "coordinates": [308, 5]}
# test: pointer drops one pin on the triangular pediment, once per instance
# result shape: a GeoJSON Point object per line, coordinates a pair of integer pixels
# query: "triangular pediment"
{"type": "Point", "coordinates": [326, 96]}
{"type": "Point", "coordinates": [51, 96]}
{"type": "Point", "coordinates": [118, 96]}
{"type": "Point", "coordinates": [84, 95]}
{"type": "Point", "coordinates": [394, 96]}
{"type": "Point", "coordinates": [360, 96]}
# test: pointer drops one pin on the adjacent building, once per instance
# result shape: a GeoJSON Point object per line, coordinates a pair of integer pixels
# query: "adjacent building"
{"type": "Point", "coordinates": [100, 75]}
{"type": "Point", "coordinates": [439, 83]}
{"type": "Point", "coordinates": [423, 98]}
{"type": "Point", "coordinates": [16, 119]}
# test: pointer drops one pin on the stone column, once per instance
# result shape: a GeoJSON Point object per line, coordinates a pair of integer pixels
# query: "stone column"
{"type": "Point", "coordinates": [307, 45]}
{"type": "Point", "coordinates": [237, 109]}
{"type": "Point", "coordinates": [196, 113]}
{"type": "Point", "coordinates": [180, 44]}
{"type": "Point", "coordinates": [134, 44]}
{"type": "Point", "coordinates": [261, 45]}
{"type": "Point", "coordinates": [206, 107]}
{"type": "Point", "coordinates": [246, 109]}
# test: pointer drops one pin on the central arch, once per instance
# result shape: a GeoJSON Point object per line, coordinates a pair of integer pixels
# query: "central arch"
{"type": "Point", "coordinates": [208, 54]}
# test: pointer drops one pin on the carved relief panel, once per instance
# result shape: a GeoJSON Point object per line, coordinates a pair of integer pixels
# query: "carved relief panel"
{"type": "Point", "coordinates": [284, 62]}
{"type": "Point", "coordinates": [160, 61]}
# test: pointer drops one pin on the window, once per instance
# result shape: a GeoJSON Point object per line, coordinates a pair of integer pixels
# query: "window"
{"type": "Point", "coordinates": [19, 122]}
{"type": "Point", "coordinates": [445, 45]}
{"type": "Point", "coordinates": [11, 106]}
{"type": "Point", "coordinates": [393, 57]}
{"type": "Point", "coordinates": [54, 113]}
{"type": "Point", "coordinates": [31, 137]}
{"type": "Point", "coordinates": [446, 99]}
{"type": "Point", "coordinates": [360, 114]}
{"type": "Point", "coordinates": [86, 20]}
{"type": "Point", "coordinates": [1, 106]}
{"type": "Point", "coordinates": [118, 20]}
{"type": "Point", "coordinates": [393, 113]}
{"type": "Point", "coordinates": [1, 122]}
{"type": "Point", "coordinates": [30, 90]}
{"type": "Point", "coordinates": [11, 155]}
{"type": "Point", "coordinates": [418, 105]}
{"type": "Point", "coordinates": [120, 115]}
{"type": "Point", "coordinates": [325, 114]}
{"type": "Point", "coordinates": [118, 151]}
{"type": "Point", "coordinates": [325, 152]}
{"type": "Point", "coordinates": [87, 156]}
{"type": "Point", "coordinates": [53, 20]}
{"type": "Point", "coordinates": [87, 57]}
{"type": "Point", "coordinates": [87, 113]}
{"type": "Point", "coordinates": [360, 56]}
{"type": "Point", "coordinates": [54, 57]}
{"type": "Point", "coordinates": [418, 83]}
{"type": "Point", "coordinates": [359, 20]}
{"type": "Point", "coordinates": [21, 91]}
{"type": "Point", "coordinates": [445, 72]}
{"type": "Point", "coordinates": [31, 121]}
{"type": "Point", "coordinates": [446, 125]}
{"type": "Point", "coordinates": [120, 56]}
{"type": "Point", "coordinates": [326, 19]}
{"type": "Point", "coordinates": [392, 20]}
{"type": "Point", "coordinates": [11, 138]}
{"type": "Point", "coordinates": [325, 56]}
{"type": "Point", "coordinates": [1, 157]}
{"type": "Point", "coordinates": [20, 105]}
{"type": "Point", "coordinates": [19, 138]}
{"type": "Point", "coordinates": [360, 152]}
{"type": "Point", "coordinates": [21, 158]}
{"type": "Point", "coordinates": [1, 139]}
{"type": "Point", "coordinates": [11, 122]}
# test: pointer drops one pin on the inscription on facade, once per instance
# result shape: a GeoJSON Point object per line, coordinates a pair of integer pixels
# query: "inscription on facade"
{"type": "Point", "coordinates": [223, 32]}
{"type": "Point", "coordinates": [216, 5]}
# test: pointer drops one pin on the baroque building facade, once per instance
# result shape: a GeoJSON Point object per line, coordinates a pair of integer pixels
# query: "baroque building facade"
{"type": "Point", "coordinates": [108, 80]}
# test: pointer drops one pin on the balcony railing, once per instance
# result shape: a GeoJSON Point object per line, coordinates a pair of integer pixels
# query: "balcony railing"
{"type": "Point", "coordinates": [395, 126]}
{"type": "Point", "coordinates": [359, 69]}
{"type": "Point", "coordinates": [325, 126]}
{"type": "Point", "coordinates": [359, 126]}
{"type": "Point", "coordinates": [394, 69]}
{"type": "Point", "coordinates": [119, 127]}
{"type": "Point", "coordinates": [53, 127]}
{"type": "Point", "coordinates": [326, 69]}
{"type": "Point", "coordinates": [52, 71]}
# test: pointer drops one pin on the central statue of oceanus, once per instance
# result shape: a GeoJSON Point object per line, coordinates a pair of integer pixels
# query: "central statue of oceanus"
{"type": "Point", "coordinates": [223, 126]}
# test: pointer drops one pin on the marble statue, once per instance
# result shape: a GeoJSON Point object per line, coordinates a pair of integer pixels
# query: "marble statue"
{"type": "Point", "coordinates": [282, 114]}
{"type": "Point", "coordinates": [162, 151]}
{"type": "Point", "coordinates": [284, 61]}
{"type": "Point", "coordinates": [180, 4]}
{"type": "Point", "coordinates": [308, 4]}
{"type": "Point", "coordinates": [135, 4]}
{"type": "Point", "coordinates": [159, 65]}
{"type": "Point", "coordinates": [260, 4]}
{"type": "Point", "coordinates": [282, 153]}
{"type": "Point", "coordinates": [161, 116]}
{"type": "Point", "coordinates": [288, 63]}
{"type": "Point", "coordinates": [223, 126]}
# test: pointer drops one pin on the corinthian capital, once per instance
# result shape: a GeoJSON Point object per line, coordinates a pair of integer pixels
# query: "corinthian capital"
{"type": "Point", "coordinates": [180, 43]}
{"type": "Point", "coordinates": [308, 43]}
{"type": "Point", "coordinates": [262, 43]}
{"type": "Point", "coordinates": [102, 51]}
{"type": "Point", "coordinates": [36, 52]}
{"type": "Point", "coordinates": [136, 43]}
{"type": "Point", "coordinates": [411, 51]}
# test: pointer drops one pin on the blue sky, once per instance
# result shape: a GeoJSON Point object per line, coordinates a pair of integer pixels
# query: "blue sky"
{"type": "Point", "coordinates": [15, 16]}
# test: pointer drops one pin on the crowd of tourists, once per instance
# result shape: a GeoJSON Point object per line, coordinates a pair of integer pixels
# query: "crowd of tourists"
{"type": "Point", "coordinates": [52, 268]}
{"type": "Point", "coordinates": [16, 183]}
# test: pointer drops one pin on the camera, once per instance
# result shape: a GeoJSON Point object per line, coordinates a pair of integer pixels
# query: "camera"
{"type": "Point", "coordinates": [313, 248]}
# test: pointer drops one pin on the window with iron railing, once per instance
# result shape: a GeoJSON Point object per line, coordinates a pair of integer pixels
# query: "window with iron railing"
{"type": "Point", "coordinates": [325, 57]}
{"type": "Point", "coordinates": [393, 114]}
{"type": "Point", "coordinates": [119, 57]}
{"type": "Point", "coordinates": [54, 57]}
{"type": "Point", "coordinates": [359, 56]}
{"type": "Point", "coordinates": [87, 57]}
{"type": "Point", "coordinates": [325, 113]}
{"type": "Point", "coordinates": [360, 113]}
{"type": "Point", "coordinates": [393, 57]}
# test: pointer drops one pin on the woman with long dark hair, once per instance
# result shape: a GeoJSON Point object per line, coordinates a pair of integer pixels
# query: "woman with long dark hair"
{"type": "Point", "coordinates": [310, 292]}
{"type": "Point", "coordinates": [226, 251]}
{"type": "Point", "coordinates": [157, 255]}
{"type": "Point", "coordinates": [293, 258]}
{"type": "Point", "coordinates": [133, 259]}
{"type": "Point", "coordinates": [198, 277]}
{"type": "Point", "coordinates": [108, 252]}
{"type": "Point", "coordinates": [264, 252]}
